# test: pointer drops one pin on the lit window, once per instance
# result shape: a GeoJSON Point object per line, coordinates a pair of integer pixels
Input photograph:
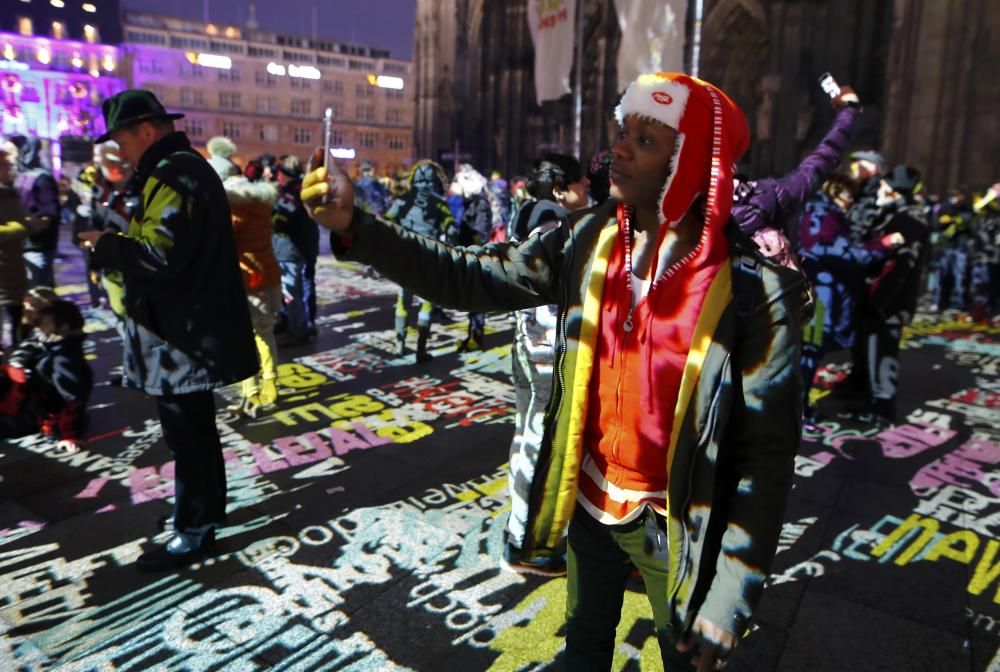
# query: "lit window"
{"type": "Point", "coordinates": [58, 30]}
{"type": "Point", "coordinates": [58, 4]}
{"type": "Point", "coordinates": [108, 62]}
{"type": "Point", "coordinates": [87, 7]}
{"type": "Point", "coordinates": [77, 61]}
{"type": "Point", "coordinates": [24, 26]}
{"type": "Point", "coordinates": [90, 34]}
{"type": "Point", "coordinates": [44, 55]}
{"type": "Point", "coordinates": [8, 51]}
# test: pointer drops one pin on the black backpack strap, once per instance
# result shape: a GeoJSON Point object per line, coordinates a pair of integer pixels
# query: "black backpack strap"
{"type": "Point", "coordinates": [746, 270]}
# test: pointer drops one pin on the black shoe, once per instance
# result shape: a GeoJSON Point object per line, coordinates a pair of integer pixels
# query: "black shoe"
{"type": "Point", "coordinates": [161, 559]}
{"type": "Point", "coordinates": [471, 342]}
{"type": "Point", "coordinates": [514, 561]}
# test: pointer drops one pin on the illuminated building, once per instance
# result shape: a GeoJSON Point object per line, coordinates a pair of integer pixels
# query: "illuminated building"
{"type": "Point", "coordinates": [57, 64]}
{"type": "Point", "coordinates": [267, 91]}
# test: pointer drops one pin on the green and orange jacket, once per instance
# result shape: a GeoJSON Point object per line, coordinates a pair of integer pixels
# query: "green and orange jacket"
{"type": "Point", "coordinates": [738, 419]}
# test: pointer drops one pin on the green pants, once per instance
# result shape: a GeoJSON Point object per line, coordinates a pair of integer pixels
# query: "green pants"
{"type": "Point", "coordinates": [600, 561]}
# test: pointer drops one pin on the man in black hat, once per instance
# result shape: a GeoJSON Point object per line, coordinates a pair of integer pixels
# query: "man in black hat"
{"type": "Point", "coordinates": [893, 292]}
{"type": "Point", "coordinates": [187, 325]}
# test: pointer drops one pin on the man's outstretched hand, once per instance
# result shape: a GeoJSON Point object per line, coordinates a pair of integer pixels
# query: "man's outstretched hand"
{"type": "Point", "coordinates": [329, 199]}
{"type": "Point", "coordinates": [713, 645]}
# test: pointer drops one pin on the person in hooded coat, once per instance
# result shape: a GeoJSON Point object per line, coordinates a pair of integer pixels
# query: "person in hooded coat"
{"type": "Point", "coordinates": [424, 211]}
{"type": "Point", "coordinates": [675, 413]}
{"type": "Point", "coordinates": [251, 204]}
{"type": "Point", "coordinates": [40, 199]}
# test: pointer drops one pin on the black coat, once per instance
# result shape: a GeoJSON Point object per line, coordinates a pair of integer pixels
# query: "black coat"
{"type": "Point", "coordinates": [187, 326]}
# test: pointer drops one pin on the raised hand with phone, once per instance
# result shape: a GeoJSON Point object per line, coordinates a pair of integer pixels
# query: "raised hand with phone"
{"type": "Point", "coordinates": [840, 96]}
{"type": "Point", "coordinates": [328, 194]}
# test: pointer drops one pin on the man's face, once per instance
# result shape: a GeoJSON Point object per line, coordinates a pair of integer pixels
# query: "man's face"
{"type": "Point", "coordinates": [885, 195]}
{"type": "Point", "coordinates": [862, 169]}
{"type": "Point", "coordinates": [133, 141]}
{"type": "Point", "coordinates": [641, 161]}
{"type": "Point", "coordinates": [576, 195]}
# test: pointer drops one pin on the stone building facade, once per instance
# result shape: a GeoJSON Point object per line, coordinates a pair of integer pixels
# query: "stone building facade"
{"type": "Point", "coordinates": [924, 69]}
{"type": "Point", "coordinates": [268, 92]}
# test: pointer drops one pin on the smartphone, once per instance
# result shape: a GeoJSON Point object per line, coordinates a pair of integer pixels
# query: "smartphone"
{"type": "Point", "coordinates": [829, 85]}
{"type": "Point", "coordinates": [327, 132]}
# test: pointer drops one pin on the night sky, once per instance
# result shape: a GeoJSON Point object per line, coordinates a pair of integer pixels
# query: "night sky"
{"type": "Point", "coordinates": [387, 24]}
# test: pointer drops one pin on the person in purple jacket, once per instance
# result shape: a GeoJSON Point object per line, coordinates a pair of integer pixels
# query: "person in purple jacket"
{"type": "Point", "coordinates": [769, 210]}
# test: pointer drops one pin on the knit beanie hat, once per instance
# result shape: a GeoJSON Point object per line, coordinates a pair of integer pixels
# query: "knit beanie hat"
{"type": "Point", "coordinates": [712, 134]}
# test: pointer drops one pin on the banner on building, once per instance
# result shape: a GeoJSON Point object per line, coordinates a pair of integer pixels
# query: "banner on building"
{"type": "Point", "coordinates": [552, 24]}
{"type": "Point", "coordinates": [652, 37]}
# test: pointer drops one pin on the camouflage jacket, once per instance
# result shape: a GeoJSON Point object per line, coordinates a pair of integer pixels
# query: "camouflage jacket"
{"type": "Point", "coordinates": [738, 420]}
{"type": "Point", "coordinates": [187, 326]}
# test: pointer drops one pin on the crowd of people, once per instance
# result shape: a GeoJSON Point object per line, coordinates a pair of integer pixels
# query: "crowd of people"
{"type": "Point", "coordinates": [671, 315]}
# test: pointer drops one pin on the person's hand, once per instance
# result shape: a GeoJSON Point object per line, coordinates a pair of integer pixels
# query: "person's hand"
{"type": "Point", "coordinates": [846, 97]}
{"type": "Point", "coordinates": [88, 239]}
{"type": "Point", "coordinates": [67, 446]}
{"type": "Point", "coordinates": [329, 199]}
{"type": "Point", "coordinates": [714, 644]}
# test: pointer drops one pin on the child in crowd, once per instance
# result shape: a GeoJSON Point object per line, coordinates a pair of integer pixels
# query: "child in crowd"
{"type": "Point", "coordinates": [45, 381]}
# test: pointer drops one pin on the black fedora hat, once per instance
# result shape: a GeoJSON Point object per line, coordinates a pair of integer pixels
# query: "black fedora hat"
{"type": "Point", "coordinates": [130, 107]}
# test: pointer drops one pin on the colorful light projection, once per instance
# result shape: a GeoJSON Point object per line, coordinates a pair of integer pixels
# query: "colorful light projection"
{"type": "Point", "coordinates": [45, 92]}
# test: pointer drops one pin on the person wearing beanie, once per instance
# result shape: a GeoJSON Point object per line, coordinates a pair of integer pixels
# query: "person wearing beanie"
{"type": "Point", "coordinates": [676, 404]}
{"type": "Point", "coordinates": [423, 210]}
{"type": "Point", "coordinates": [866, 168]}
{"type": "Point", "coordinates": [220, 152]}
{"type": "Point", "coordinates": [296, 247]}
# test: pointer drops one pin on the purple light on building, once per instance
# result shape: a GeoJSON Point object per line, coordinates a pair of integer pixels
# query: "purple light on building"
{"type": "Point", "coordinates": [50, 88]}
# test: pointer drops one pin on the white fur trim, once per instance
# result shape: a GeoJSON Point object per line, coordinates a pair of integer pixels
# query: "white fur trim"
{"type": "Point", "coordinates": [654, 97]}
{"type": "Point", "coordinates": [674, 160]}
{"type": "Point", "coordinates": [242, 191]}
{"type": "Point", "coordinates": [222, 146]}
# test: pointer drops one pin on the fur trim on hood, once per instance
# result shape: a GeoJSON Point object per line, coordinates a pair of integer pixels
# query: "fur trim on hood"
{"type": "Point", "coordinates": [242, 191]}
{"type": "Point", "coordinates": [222, 146]}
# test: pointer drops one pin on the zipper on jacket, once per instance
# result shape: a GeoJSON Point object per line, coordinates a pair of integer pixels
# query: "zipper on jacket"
{"type": "Point", "coordinates": [560, 388]}
{"type": "Point", "coordinates": [709, 426]}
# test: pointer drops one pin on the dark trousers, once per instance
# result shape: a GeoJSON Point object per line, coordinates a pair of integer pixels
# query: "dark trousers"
{"type": "Point", "coordinates": [951, 279]}
{"type": "Point", "coordinates": [309, 292]}
{"type": "Point", "coordinates": [188, 422]}
{"type": "Point", "coordinates": [600, 560]}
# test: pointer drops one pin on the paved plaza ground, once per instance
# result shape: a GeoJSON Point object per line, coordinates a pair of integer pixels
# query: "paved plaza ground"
{"type": "Point", "coordinates": [366, 520]}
